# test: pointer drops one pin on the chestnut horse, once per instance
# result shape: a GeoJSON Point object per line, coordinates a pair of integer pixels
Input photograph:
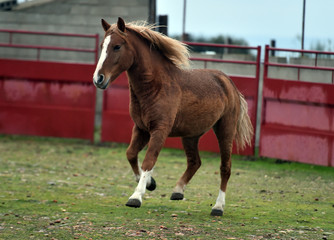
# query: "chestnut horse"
{"type": "Point", "coordinates": [170, 100]}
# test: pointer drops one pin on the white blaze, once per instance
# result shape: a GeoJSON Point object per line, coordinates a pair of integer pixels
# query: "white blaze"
{"type": "Point", "coordinates": [102, 58]}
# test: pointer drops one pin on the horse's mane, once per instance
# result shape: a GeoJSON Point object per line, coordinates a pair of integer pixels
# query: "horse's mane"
{"type": "Point", "coordinates": [174, 50]}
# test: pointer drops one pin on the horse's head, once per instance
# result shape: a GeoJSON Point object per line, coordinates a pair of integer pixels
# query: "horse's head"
{"type": "Point", "coordinates": [116, 54]}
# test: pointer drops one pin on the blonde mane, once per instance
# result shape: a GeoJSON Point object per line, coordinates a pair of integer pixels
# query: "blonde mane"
{"type": "Point", "coordinates": [174, 50]}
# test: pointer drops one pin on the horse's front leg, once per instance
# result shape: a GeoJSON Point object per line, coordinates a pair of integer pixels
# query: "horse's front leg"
{"type": "Point", "coordinates": [156, 142]}
{"type": "Point", "coordinates": [139, 139]}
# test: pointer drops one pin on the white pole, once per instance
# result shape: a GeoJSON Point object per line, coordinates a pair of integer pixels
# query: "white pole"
{"type": "Point", "coordinates": [184, 20]}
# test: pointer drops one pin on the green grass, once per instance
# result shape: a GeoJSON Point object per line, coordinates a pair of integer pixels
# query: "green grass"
{"type": "Point", "coordinates": [70, 189]}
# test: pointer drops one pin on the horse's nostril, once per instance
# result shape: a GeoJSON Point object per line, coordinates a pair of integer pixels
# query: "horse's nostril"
{"type": "Point", "coordinates": [101, 79]}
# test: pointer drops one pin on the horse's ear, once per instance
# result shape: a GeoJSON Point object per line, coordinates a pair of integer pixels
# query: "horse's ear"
{"type": "Point", "coordinates": [121, 24]}
{"type": "Point", "coordinates": [105, 25]}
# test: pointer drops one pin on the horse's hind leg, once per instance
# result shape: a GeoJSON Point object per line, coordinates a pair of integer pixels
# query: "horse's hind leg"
{"type": "Point", "coordinates": [193, 163]}
{"type": "Point", "coordinates": [139, 140]}
{"type": "Point", "coordinates": [225, 132]}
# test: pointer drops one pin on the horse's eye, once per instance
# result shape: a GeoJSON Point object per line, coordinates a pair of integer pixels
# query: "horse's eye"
{"type": "Point", "coordinates": [117, 47]}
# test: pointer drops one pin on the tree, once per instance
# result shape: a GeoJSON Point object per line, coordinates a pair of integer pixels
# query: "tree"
{"type": "Point", "coordinates": [219, 39]}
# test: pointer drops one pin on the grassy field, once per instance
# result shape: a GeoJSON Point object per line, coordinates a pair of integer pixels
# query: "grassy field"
{"type": "Point", "coordinates": [68, 189]}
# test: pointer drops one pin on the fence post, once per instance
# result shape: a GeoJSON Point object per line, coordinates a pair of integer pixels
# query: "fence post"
{"type": "Point", "coordinates": [265, 63]}
{"type": "Point", "coordinates": [96, 47]}
{"type": "Point", "coordinates": [265, 76]}
{"type": "Point", "coordinates": [258, 62]}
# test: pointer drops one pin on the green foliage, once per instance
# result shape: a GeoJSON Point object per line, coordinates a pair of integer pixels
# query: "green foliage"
{"type": "Point", "coordinates": [220, 39]}
{"type": "Point", "coordinates": [322, 45]}
{"type": "Point", "coordinates": [69, 189]}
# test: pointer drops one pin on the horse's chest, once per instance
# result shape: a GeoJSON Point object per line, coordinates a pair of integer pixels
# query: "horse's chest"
{"type": "Point", "coordinates": [137, 116]}
{"type": "Point", "coordinates": [155, 110]}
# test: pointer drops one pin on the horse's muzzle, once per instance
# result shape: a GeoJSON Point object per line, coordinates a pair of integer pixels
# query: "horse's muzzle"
{"type": "Point", "coordinates": [101, 83]}
{"type": "Point", "coordinates": [100, 80]}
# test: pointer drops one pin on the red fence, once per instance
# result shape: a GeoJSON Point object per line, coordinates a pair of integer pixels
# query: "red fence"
{"type": "Point", "coordinates": [298, 117]}
{"type": "Point", "coordinates": [47, 98]}
{"type": "Point", "coordinates": [117, 124]}
{"type": "Point", "coordinates": [58, 99]}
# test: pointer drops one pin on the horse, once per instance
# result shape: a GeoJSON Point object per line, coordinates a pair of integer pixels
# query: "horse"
{"type": "Point", "coordinates": [168, 99]}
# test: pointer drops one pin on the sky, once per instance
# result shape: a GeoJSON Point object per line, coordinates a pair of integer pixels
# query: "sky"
{"type": "Point", "coordinates": [256, 21]}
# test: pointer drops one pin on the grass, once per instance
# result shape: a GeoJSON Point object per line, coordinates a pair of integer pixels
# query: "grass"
{"type": "Point", "coordinates": [70, 189]}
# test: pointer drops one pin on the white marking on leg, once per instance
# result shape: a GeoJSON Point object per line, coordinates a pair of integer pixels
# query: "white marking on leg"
{"type": "Point", "coordinates": [102, 58]}
{"type": "Point", "coordinates": [140, 173]}
{"type": "Point", "coordinates": [145, 179]}
{"type": "Point", "coordinates": [220, 202]}
{"type": "Point", "coordinates": [179, 189]}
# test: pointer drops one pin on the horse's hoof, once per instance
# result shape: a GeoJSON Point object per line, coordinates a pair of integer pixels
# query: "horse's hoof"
{"type": "Point", "coordinates": [135, 203]}
{"type": "Point", "coordinates": [152, 186]}
{"type": "Point", "coordinates": [216, 212]}
{"type": "Point", "coordinates": [176, 196]}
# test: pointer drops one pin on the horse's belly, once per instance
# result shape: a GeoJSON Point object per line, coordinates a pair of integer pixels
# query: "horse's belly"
{"type": "Point", "coordinates": [189, 126]}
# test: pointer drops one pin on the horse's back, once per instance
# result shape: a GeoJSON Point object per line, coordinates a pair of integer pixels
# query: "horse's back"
{"type": "Point", "coordinates": [208, 84]}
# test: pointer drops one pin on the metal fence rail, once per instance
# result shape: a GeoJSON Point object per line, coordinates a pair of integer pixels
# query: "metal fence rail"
{"type": "Point", "coordinates": [11, 33]}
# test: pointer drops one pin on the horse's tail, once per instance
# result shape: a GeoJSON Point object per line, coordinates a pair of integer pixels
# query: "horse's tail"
{"type": "Point", "coordinates": [244, 126]}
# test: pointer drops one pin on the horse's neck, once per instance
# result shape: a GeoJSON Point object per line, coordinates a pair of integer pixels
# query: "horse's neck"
{"type": "Point", "coordinates": [146, 71]}
{"type": "Point", "coordinates": [143, 84]}
{"type": "Point", "coordinates": [142, 76]}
